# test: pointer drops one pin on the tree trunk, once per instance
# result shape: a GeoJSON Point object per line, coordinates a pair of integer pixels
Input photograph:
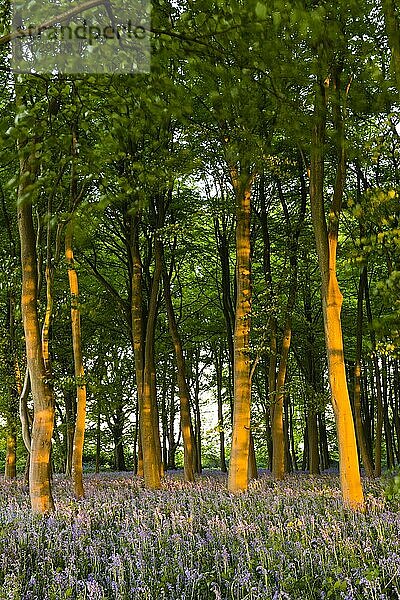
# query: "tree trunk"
{"type": "Point", "coordinates": [239, 463]}
{"type": "Point", "coordinates": [312, 429]}
{"type": "Point", "coordinates": [70, 412]}
{"type": "Point", "coordinates": [365, 457]}
{"type": "Point", "coordinates": [386, 421]}
{"type": "Point", "coordinates": [98, 439]}
{"type": "Point", "coordinates": [14, 391]}
{"type": "Point", "coordinates": [377, 386]}
{"type": "Point", "coordinates": [278, 443]}
{"type": "Point", "coordinates": [171, 429]}
{"type": "Point", "coordinates": [164, 416]}
{"type": "Point", "coordinates": [144, 358]}
{"type": "Point", "coordinates": [323, 439]}
{"type": "Point", "coordinates": [155, 413]}
{"type": "Point", "coordinates": [186, 422]}
{"type": "Point", "coordinates": [326, 243]}
{"type": "Point", "coordinates": [43, 402]}
{"type": "Point", "coordinates": [218, 371]}
{"type": "Point", "coordinates": [119, 456]}
{"type": "Point", "coordinates": [80, 421]}
{"type": "Point", "coordinates": [253, 472]}
{"type": "Point", "coordinates": [148, 417]}
{"type": "Point", "coordinates": [271, 379]}
{"type": "Point", "coordinates": [279, 439]}
{"type": "Point", "coordinates": [137, 329]}
{"type": "Point", "coordinates": [197, 433]}
{"type": "Point", "coordinates": [10, 471]}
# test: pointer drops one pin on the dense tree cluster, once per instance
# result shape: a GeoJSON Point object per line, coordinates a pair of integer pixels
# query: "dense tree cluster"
{"type": "Point", "coordinates": [221, 233]}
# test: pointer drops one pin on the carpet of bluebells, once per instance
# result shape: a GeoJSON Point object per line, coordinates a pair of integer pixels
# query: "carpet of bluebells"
{"type": "Point", "coordinates": [277, 541]}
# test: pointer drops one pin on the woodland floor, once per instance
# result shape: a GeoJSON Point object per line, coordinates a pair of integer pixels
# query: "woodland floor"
{"type": "Point", "coordinates": [276, 541]}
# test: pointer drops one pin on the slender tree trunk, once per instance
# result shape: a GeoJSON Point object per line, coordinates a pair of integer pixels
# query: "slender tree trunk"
{"type": "Point", "coordinates": [253, 472]}
{"type": "Point", "coordinates": [98, 439]}
{"type": "Point", "coordinates": [324, 448]}
{"type": "Point", "coordinates": [222, 240]}
{"type": "Point", "coordinates": [278, 426]}
{"type": "Point", "coordinates": [80, 421]}
{"type": "Point", "coordinates": [239, 463]}
{"type": "Point", "coordinates": [313, 442]}
{"type": "Point", "coordinates": [273, 346]}
{"type": "Point", "coordinates": [378, 386]}
{"type": "Point", "coordinates": [186, 422]}
{"type": "Point", "coordinates": [119, 455]}
{"type": "Point", "coordinates": [24, 415]}
{"type": "Point", "coordinates": [365, 457]}
{"type": "Point", "coordinates": [326, 243]}
{"type": "Point", "coordinates": [286, 434]}
{"type": "Point", "coordinates": [394, 403]}
{"type": "Point", "coordinates": [292, 442]}
{"type": "Point", "coordinates": [386, 422]}
{"type": "Point", "coordinates": [10, 470]}
{"type": "Point", "coordinates": [278, 444]}
{"type": "Point", "coordinates": [310, 370]}
{"type": "Point", "coordinates": [148, 418]}
{"type": "Point", "coordinates": [368, 409]}
{"type": "Point", "coordinates": [155, 412]}
{"type": "Point", "coordinates": [218, 371]}
{"type": "Point", "coordinates": [137, 329]}
{"type": "Point", "coordinates": [70, 413]}
{"type": "Point", "coordinates": [305, 461]}
{"type": "Point", "coordinates": [197, 433]}
{"type": "Point", "coordinates": [171, 429]}
{"type": "Point", "coordinates": [164, 418]}
{"type": "Point", "coordinates": [43, 402]}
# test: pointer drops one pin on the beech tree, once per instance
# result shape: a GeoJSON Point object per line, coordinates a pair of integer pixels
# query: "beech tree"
{"type": "Point", "coordinates": [181, 197]}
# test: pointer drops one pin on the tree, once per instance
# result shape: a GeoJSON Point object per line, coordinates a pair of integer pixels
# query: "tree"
{"type": "Point", "coordinates": [326, 237]}
{"type": "Point", "coordinates": [43, 420]}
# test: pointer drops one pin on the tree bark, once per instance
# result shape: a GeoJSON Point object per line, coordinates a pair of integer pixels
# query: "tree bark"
{"type": "Point", "coordinates": [186, 421]}
{"type": "Point", "coordinates": [43, 421]}
{"type": "Point", "coordinates": [377, 386]}
{"type": "Point", "coordinates": [148, 455]}
{"type": "Point", "coordinates": [365, 457]}
{"type": "Point", "coordinates": [148, 420]}
{"type": "Point", "coordinates": [278, 444]}
{"type": "Point", "coordinates": [313, 454]}
{"type": "Point", "coordinates": [218, 371]}
{"type": "Point", "coordinates": [326, 243]}
{"type": "Point", "coordinates": [239, 463]}
{"type": "Point", "coordinates": [278, 429]}
{"type": "Point", "coordinates": [80, 421]}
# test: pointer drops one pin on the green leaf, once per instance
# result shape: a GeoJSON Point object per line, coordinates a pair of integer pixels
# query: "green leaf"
{"type": "Point", "coordinates": [261, 10]}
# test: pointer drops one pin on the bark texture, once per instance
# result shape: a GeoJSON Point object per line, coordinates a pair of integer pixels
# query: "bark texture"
{"type": "Point", "coordinates": [43, 421]}
{"type": "Point", "coordinates": [326, 242]}
{"type": "Point", "coordinates": [80, 421]}
{"type": "Point", "coordinates": [239, 463]}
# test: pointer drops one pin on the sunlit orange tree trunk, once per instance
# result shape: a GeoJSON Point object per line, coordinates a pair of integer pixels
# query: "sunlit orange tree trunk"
{"type": "Point", "coordinates": [239, 462]}
{"type": "Point", "coordinates": [80, 422]}
{"type": "Point", "coordinates": [326, 236]}
{"type": "Point", "coordinates": [43, 402]}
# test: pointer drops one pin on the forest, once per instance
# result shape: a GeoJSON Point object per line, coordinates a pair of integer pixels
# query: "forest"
{"type": "Point", "coordinates": [199, 291]}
